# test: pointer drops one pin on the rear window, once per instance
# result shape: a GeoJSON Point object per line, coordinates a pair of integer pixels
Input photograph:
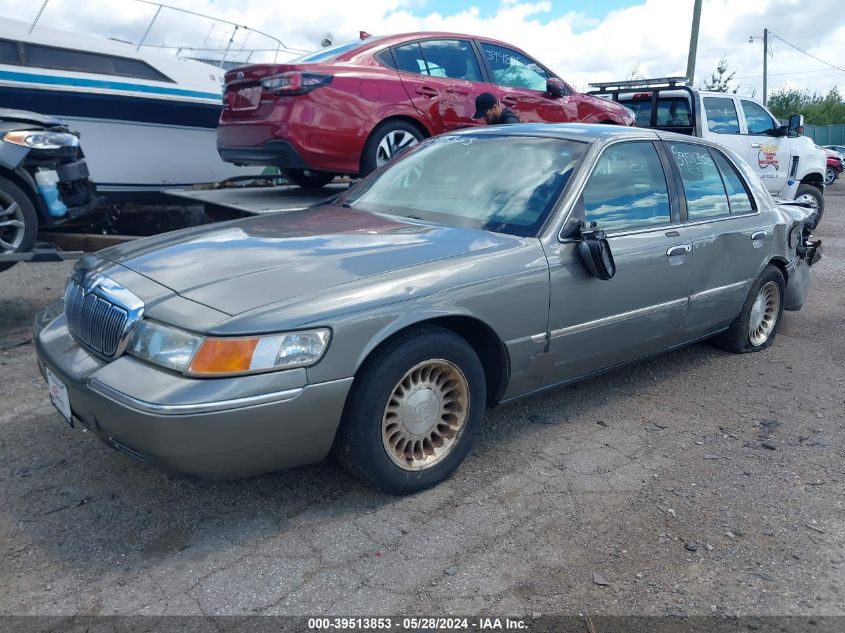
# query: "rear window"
{"type": "Point", "coordinates": [671, 111]}
{"type": "Point", "coordinates": [331, 52]}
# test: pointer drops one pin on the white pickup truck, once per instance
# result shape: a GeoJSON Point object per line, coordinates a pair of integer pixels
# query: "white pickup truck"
{"type": "Point", "coordinates": [788, 163]}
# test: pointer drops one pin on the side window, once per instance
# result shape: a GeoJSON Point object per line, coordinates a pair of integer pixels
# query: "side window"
{"type": "Point", "coordinates": [409, 59]}
{"type": "Point", "coordinates": [738, 198]}
{"type": "Point", "coordinates": [758, 120]}
{"type": "Point", "coordinates": [514, 70]}
{"type": "Point", "coordinates": [9, 52]}
{"type": "Point", "coordinates": [721, 115]}
{"type": "Point", "coordinates": [451, 58]}
{"type": "Point", "coordinates": [705, 193]}
{"type": "Point", "coordinates": [438, 58]}
{"type": "Point", "coordinates": [627, 189]}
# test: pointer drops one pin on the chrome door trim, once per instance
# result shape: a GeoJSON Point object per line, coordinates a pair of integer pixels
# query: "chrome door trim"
{"type": "Point", "coordinates": [617, 318]}
{"type": "Point", "coordinates": [719, 290]}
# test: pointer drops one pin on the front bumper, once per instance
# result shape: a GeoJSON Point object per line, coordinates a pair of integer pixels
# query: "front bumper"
{"type": "Point", "coordinates": [211, 428]}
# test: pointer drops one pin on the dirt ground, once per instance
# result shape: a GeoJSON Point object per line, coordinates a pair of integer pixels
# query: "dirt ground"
{"type": "Point", "coordinates": [697, 483]}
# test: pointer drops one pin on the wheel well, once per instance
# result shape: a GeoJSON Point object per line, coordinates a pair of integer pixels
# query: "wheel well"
{"type": "Point", "coordinates": [813, 179]}
{"type": "Point", "coordinates": [780, 265]}
{"type": "Point", "coordinates": [484, 341]}
{"type": "Point", "coordinates": [405, 119]}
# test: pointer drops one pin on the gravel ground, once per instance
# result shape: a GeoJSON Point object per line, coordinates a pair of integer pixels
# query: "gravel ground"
{"type": "Point", "coordinates": [697, 483]}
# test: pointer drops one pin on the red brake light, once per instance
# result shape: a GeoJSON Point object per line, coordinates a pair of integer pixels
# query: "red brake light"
{"type": "Point", "coordinates": [294, 83]}
{"type": "Point", "coordinates": [642, 95]}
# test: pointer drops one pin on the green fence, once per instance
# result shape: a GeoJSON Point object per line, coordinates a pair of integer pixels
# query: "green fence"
{"type": "Point", "coordinates": [826, 134]}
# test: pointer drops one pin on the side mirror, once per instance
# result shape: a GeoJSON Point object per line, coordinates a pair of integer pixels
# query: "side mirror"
{"type": "Point", "coordinates": [555, 87]}
{"type": "Point", "coordinates": [595, 251]}
{"type": "Point", "coordinates": [796, 125]}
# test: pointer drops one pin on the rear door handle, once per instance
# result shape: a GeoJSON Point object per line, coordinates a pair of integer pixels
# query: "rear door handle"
{"type": "Point", "coordinates": [426, 91]}
{"type": "Point", "coordinates": [682, 249]}
{"type": "Point", "coordinates": [508, 101]}
{"type": "Point", "coordinates": [756, 145]}
{"type": "Point", "coordinates": [759, 235]}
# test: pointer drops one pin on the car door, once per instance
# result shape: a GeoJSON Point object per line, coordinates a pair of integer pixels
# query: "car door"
{"type": "Point", "coordinates": [519, 82]}
{"type": "Point", "coordinates": [768, 154]}
{"type": "Point", "coordinates": [440, 78]}
{"type": "Point", "coordinates": [730, 238]}
{"type": "Point", "coordinates": [595, 324]}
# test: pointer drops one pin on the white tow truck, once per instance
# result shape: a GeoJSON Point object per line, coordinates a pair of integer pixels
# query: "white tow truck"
{"type": "Point", "coordinates": [789, 164]}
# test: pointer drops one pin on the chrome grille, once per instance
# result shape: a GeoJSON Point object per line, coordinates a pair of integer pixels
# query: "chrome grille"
{"type": "Point", "coordinates": [95, 322]}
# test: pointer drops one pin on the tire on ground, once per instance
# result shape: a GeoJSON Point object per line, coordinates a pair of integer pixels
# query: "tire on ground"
{"type": "Point", "coordinates": [362, 441]}
{"type": "Point", "coordinates": [816, 194]}
{"type": "Point", "coordinates": [737, 338]}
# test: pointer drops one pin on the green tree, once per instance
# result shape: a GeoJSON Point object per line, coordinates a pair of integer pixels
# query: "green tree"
{"type": "Point", "coordinates": [720, 80]}
{"type": "Point", "coordinates": [828, 109]}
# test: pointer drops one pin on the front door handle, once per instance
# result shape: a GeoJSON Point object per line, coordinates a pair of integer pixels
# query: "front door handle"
{"type": "Point", "coordinates": [682, 249]}
{"type": "Point", "coordinates": [508, 101]}
{"type": "Point", "coordinates": [426, 91]}
{"type": "Point", "coordinates": [756, 145]}
{"type": "Point", "coordinates": [759, 235]}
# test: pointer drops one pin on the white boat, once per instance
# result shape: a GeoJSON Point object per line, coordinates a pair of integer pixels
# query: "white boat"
{"type": "Point", "coordinates": [148, 120]}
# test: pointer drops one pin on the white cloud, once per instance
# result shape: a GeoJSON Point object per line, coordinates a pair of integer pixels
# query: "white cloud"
{"type": "Point", "coordinates": [654, 34]}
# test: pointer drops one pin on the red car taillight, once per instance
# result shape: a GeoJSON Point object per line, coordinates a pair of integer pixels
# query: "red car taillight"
{"type": "Point", "coordinates": [294, 83]}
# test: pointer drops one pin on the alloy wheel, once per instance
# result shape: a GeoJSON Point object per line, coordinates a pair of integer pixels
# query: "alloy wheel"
{"type": "Point", "coordinates": [392, 144]}
{"type": "Point", "coordinates": [425, 415]}
{"type": "Point", "coordinates": [830, 176]}
{"type": "Point", "coordinates": [764, 314]}
{"type": "Point", "coordinates": [12, 225]}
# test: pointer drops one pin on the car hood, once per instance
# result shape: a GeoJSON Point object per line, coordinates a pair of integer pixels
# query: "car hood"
{"type": "Point", "coordinates": [239, 266]}
{"type": "Point", "coordinates": [23, 116]}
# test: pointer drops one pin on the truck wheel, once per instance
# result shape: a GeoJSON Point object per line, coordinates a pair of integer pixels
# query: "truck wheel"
{"type": "Point", "coordinates": [414, 411]}
{"type": "Point", "coordinates": [757, 325]}
{"type": "Point", "coordinates": [388, 140]}
{"type": "Point", "coordinates": [308, 178]}
{"type": "Point", "coordinates": [813, 196]}
{"type": "Point", "coordinates": [18, 221]}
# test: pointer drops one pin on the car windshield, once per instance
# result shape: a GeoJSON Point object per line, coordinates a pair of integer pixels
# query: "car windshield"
{"type": "Point", "coordinates": [505, 184]}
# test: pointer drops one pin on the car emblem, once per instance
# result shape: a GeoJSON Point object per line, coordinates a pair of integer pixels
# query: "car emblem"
{"type": "Point", "coordinates": [240, 75]}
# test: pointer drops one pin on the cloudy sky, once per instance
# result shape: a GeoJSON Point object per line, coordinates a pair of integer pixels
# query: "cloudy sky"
{"type": "Point", "coordinates": [601, 40]}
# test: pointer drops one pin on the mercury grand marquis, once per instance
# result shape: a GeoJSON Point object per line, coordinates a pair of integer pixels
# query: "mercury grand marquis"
{"type": "Point", "coordinates": [479, 267]}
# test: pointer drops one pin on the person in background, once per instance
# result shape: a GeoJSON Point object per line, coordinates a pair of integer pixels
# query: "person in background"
{"type": "Point", "coordinates": [487, 107]}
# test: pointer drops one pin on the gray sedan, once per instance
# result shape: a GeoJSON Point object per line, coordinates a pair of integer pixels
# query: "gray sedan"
{"type": "Point", "coordinates": [480, 267]}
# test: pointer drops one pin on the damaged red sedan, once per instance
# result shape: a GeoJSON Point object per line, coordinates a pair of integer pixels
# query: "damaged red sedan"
{"type": "Point", "coordinates": [350, 108]}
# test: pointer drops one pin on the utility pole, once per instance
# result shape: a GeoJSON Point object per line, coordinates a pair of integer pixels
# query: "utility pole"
{"type": "Point", "coordinates": [765, 65]}
{"type": "Point", "coordinates": [693, 41]}
{"type": "Point", "coordinates": [765, 62]}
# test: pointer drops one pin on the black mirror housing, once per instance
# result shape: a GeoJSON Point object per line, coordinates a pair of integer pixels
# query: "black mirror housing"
{"type": "Point", "coordinates": [796, 124]}
{"type": "Point", "coordinates": [595, 251]}
{"type": "Point", "coordinates": [554, 87]}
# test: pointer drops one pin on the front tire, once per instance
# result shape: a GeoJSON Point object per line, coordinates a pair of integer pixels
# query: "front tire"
{"type": "Point", "coordinates": [414, 411]}
{"type": "Point", "coordinates": [813, 196]}
{"type": "Point", "coordinates": [18, 221]}
{"type": "Point", "coordinates": [308, 178]}
{"type": "Point", "coordinates": [757, 325]}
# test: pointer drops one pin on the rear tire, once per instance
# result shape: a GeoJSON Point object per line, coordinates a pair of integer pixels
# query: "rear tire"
{"type": "Point", "coordinates": [387, 141]}
{"type": "Point", "coordinates": [414, 411]}
{"type": "Point", "coordinates": [814, 196]}
{"type": "Point", "coordinates": [18, 221]}
{"type": "Point", "coordinates": [308, 178]}
{"type": "Point", "coordinates": [829, 176]}
{"type": "Point", "coordinates": [757, 325]}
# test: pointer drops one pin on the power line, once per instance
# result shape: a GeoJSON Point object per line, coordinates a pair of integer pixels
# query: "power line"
{"type": "Point", "coordinates": [796, 72]}
{"type": "Point", "coordinates": [806, 53]}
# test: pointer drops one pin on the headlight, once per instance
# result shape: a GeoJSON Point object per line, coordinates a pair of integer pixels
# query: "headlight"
{"type": "Point", "coordinates": [37, 139]}
{"type": "Point", "coordinates": [164, 345]}
{"type": "Point", "coordinates": [196, 355]}
{"type": "Point", "coordinates": [230, 356]}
